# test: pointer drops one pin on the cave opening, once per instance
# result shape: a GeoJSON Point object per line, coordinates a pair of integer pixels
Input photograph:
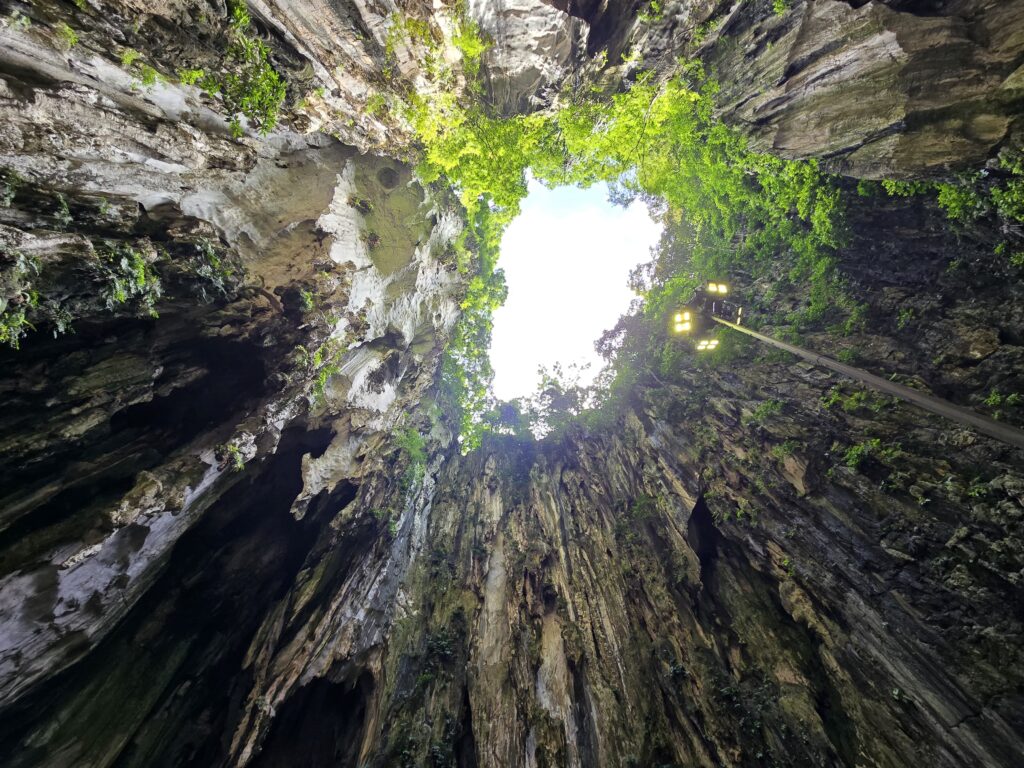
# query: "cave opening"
{"type": "Point", "coordinates": [319, 727]}
{"type": "Point", "coordinates": [567, 260]}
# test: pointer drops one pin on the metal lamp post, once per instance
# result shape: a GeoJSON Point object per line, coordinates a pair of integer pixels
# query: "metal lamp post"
{"type": "Point", "coordinates": [711, 307]}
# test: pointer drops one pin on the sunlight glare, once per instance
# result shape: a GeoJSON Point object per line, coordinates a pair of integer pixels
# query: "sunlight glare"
{"type": "Point", "coordinates": [567, 259]}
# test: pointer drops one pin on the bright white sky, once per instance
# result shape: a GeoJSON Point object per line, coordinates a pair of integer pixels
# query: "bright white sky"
{"type": "Point", "coordinates": [567, 259]}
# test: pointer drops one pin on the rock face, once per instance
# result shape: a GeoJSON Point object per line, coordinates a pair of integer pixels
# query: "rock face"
{"type": "Point", "coordinates": [235, 529]}
{"type": "Point", "coordinates": [876, 89]}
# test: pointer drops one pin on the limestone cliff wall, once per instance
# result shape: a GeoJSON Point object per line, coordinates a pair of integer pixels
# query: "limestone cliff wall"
{"type": "Point", "coordinates": [874, 88]}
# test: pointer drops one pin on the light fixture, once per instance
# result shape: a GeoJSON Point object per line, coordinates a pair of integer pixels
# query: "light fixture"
{"type": "Point", "coordinates": [721, 288]}
{"type": "Point", "coordinates": [712, 287]}
{"type": "Point", "coordinates": [706, 345]}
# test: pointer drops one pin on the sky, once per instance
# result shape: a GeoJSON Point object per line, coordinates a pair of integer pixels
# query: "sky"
{"type": "Point", "coordinates": [567, 259]}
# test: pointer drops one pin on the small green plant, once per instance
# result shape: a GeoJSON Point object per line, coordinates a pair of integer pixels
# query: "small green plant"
{"type": "Point", "coordinates": [854, 401]}
{"type": "Point", "coordinates": [784, 449]}
{"type": "Point", "coordinates": [867, 188]}
{"type": "Point", "coordinates": [250, 86]}
{"type": "Point", "coordinates": [308, 300]}
{"type": "Point", "coordinates": [190, 76]}
{"type": "Point", "coordinates": [129, 277]}
{"type": "Point", "coordinates": [848, 355]}
{"type": "Point", "coordinates": [906, 317]}
{"type": "Point", "coordinates": [82, 5]}
{"type": "Point", "coordinates": [413, 448]}
{"type": "Point", "coordinates": [856, 455]}
{"type": "Point", "coordinates": [67, 37]}
{"type": "Point", "coordinates": [148, 76]}
{"type": "Point", "coordinates": [235, 458]}
{"type": "Point", "coordinates": [654, 12]}
{"type": "Point", "coordinates": [763, 411]}
{"type": "Point", "coordinates": [376, 105]}
{"type": "Point", "coordinates": [63, 213]}
{"type": "Point", "coordinates": [209, 264]}
{"type": "Point", "coordinates": [780, 6]}
{"type": "Point", "coordinates": [9, 183]}
{"type": "Point", "coordinates": [906, 188]}
{"type": "Point", "coordinates": [326, 361]}
{"type": "Point", "coordinates": [14, 323]}
{"type": "Point", "coordinates": [129, 56]}
{"type": "Point", "coordinates": [994, 399]}
{"type": "Point", "coordinates": [978, 489]}
{"type": "Point", "coordinates": [17, 297]}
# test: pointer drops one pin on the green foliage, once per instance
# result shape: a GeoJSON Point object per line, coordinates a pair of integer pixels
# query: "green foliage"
{"type": "Point", "coordinates": [469, 41]}
{"type": "Point", "coordinates": [132, 60]}
{"type": "Point", "coordinates": [248, 85]}
{"type": "Point", "coordinates": [63, 215]}
{"type": "Point", "coordinates": [214, 269]}
{"type": "Point", "coordinates": [17, 296]}
{"type": "Point", "coordinates": [128, 57]}
{"type": "Point", "coordinates": [66, 36]}
{"type": "Point", "coordinates": [849, 355]}
{"type": "Point", "coordinates": [906, 317]}
{"type": "Point", "coordinates": [413, 447]}
{"type": "Point", "coordinates": [762, 412]}
{"type": "Point", "coordinates": [9, 183]}
{"type": "Point", "coordinates": [994, 399]}
{"type": "Point", "coordinates": [325, 362]}
{"type": "Point", "coordinates": [742, 210]}
{"type": "Point", "coordinates": [906, 188]}
{"type": "Point", "coordinates": [654, 12]}
{"type": "Point", "coordinates": [780, 6]}
{"type": "Point", "coordinates": [997, 401]}
{"type": "Point", "coordinates": [148, 76]}
{"type": "Point", "coordinates": [784, 449]}
{"type": "Point", "coordinates": [856, 455]}
{"type": "Point", "coordinates": [376, 105]}
{"type": "Point", "coordinates": [702, 31]}
{"type": "Point", "coordinates": [854, 401]}
{"type": "Point", "coordinates": [129, 277]}
{"type": "Point", "coordinates": [234, 458]}
{"type": "Point", "coordinates": [977, 195]}
{"type": "Point", "coordinates": [961, 203]}
{"type": "Point", "coordinates": [190, 76]}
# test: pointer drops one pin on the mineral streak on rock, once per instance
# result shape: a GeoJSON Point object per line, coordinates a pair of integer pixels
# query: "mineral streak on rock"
{"type": "Point", "coordinates": [215, 551]}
